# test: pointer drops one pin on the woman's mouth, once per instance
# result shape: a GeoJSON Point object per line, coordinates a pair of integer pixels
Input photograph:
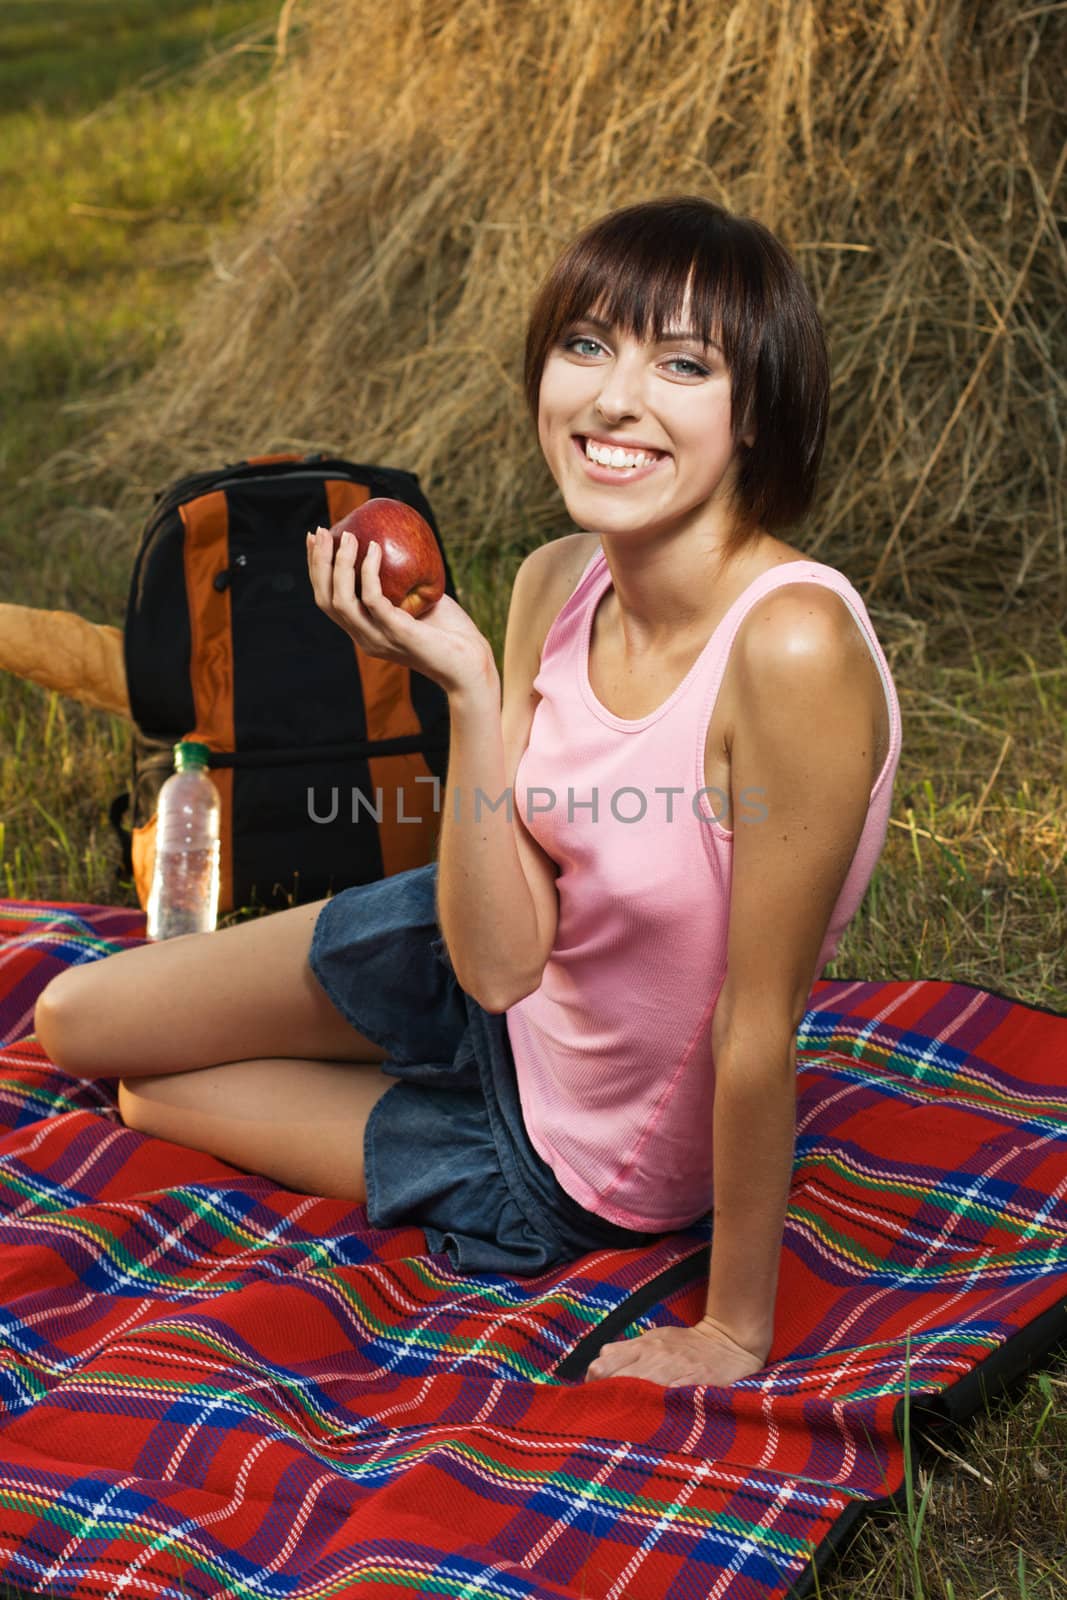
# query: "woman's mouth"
{"type": "Point", "coordinates": [615, 465]}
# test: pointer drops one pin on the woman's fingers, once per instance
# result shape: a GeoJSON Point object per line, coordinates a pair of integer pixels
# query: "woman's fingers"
{"type": "Point", "coordinates": [319, 562]}
{"type": "Point", "coordinates": [360, 608]}
{"type": "Point", "coordinates": [363, 594]}
{"type": "Point", "coordinates": [368, 589]}
{"type": "Point", "coordinates": [444, 646]}
{"type": "Point", "coordinates": [372, 562]}
{"type": "Point", "coordinates": [333, 589]}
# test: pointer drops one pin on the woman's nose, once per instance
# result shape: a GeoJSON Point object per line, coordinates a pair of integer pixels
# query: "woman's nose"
{"type": "Point", "coordinates": [620, 390]}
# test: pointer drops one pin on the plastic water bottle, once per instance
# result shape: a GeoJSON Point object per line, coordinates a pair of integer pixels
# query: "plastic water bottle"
{"type": "Point", "coordinates": [184, 896]}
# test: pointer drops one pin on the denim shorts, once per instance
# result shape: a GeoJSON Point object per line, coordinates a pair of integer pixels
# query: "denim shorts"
{"type": "Point", "coordinates": [445, 1148]}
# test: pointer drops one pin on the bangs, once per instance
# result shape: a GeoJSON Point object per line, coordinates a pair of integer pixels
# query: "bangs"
{"type": "Point", "coordinates": [648, 300]}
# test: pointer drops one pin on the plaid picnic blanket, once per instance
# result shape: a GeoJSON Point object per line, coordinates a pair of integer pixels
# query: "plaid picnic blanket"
{"type": "Point", "coordinates": [210, 1385]}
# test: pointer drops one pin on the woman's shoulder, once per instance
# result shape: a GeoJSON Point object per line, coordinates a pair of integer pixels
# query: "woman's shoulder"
{"type": "Point", "coordinates": [803, 617]}
{"type": "Point", "coordinates": [572, 552]}
{"type": "Point", "coordinates": [800, 602]}
{"type": "Point", "coordinates": [815, 629]}
{"type": "Point", "coordinates": [561, 563]}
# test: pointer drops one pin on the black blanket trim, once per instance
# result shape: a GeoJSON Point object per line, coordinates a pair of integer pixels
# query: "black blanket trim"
{"type": "Point", "coordinates": [677, 1276]}
{"type": "Point", "coordinates": [938, 1415]}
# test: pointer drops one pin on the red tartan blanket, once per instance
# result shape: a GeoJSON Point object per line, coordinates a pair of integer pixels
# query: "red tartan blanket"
{"type": "Point", "coordinates": [210, 1385]}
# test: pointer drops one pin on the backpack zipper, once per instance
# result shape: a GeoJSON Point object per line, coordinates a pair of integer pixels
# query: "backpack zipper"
{"type": "Point", "coordinates": [402, 744]}
{"type": "Point", "coordinates": [292, 755]}
{"type": "Point", "coordinates": [191, 488]}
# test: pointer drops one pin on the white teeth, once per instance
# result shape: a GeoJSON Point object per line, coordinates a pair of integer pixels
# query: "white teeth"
{"type": "Point", "coordinates": [608, 456]}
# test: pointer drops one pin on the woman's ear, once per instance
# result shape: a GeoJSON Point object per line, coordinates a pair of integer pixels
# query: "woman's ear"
{"type": "Point", "coordinates": [748, 428]}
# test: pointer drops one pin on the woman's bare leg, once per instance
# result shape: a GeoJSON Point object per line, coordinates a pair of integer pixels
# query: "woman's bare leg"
{"type": "Point", "coordinates": [298, 1122]}
{"type": "Point", "coordinates": [226, 1042]}
{"type": "Point", "coordinates": [240, 993]}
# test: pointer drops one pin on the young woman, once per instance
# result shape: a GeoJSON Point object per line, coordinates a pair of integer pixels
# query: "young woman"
{"type": "Point", "coordinates": [576, 1028]}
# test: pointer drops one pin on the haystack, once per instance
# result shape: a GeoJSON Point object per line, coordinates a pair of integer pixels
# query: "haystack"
{"type": "Point", "coordinates": [430, 158]}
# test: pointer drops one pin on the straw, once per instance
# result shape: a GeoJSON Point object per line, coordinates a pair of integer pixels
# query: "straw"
{"type": "Point", "coordinates": [429, 159]}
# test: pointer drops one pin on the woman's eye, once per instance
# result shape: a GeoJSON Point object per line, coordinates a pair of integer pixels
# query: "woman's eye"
{"type": "Point", "coordinates": [696, 370]}
{"type": "Point", "coordinates": [580, 338]}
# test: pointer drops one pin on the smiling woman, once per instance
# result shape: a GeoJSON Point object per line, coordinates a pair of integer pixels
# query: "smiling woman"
{"type": "Point", "coordinates": [684, 454]}
{"type": "Point", "coordinates": [592, 1027]}
{"type": "Point", "coordinates": [687, 276]}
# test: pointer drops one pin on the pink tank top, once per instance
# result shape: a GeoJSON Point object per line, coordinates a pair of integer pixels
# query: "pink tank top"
{"type": "Point", "coordinates": [613, 1049]}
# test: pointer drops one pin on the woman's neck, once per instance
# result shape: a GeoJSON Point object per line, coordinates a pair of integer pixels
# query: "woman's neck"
{"type": "Point", "coordinates": [667, 593]}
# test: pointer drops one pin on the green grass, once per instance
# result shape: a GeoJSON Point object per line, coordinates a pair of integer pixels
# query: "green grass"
{"type": "Point", "coordinates": [127, 144]}
{"type": "Point", "coordinates": [128, 136]}
{"type": "Point", "coordinates": [70, 56]}
{"type": "Point", "coordinates": [125, 150]}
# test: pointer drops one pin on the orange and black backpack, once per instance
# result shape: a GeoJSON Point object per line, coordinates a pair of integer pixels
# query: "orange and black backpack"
{"type": "Point", "coordinates": [330, 764]}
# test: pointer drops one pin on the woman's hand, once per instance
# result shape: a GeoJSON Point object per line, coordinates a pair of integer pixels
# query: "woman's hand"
{"type": "Point", "coordinates": [674, 1356]}
{"type": "Point", "coordinates": [444, 644]}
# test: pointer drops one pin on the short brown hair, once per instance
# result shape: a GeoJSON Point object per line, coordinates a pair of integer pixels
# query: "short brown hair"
{"type": "Point", "coordinates": [632, 267]}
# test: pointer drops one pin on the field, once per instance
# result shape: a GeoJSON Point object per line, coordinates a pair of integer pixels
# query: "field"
{"type": "Point", "coordinates": [132, 138]}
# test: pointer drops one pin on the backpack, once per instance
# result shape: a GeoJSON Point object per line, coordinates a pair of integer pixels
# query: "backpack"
{"type": "Point", "coordinates": [329, 762]}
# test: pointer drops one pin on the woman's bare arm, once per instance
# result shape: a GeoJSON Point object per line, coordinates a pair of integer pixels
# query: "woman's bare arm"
{"type": "Point", "coordinates": [496, 893]}
{"type": "Point", "coordinates": [802, 736]}
{"type": "Point", "coordinates": [496, 888]}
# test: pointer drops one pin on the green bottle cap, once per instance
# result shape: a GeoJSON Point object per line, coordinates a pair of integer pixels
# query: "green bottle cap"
{"type": "Point", "coordinates": [190, 753]}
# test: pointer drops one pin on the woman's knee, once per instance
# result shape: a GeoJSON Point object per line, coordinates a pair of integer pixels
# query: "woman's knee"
{"type": "Point", "coordinates": [60, 1018]}
{"type": "Point", "coordinates": [87, 1017]}
{"type": "Point", "coordinates": [131, 1106]}
{"type": "Point", "coordinates": [242, 992]}
{"type": "Point", "coordinates": [143, 1106]}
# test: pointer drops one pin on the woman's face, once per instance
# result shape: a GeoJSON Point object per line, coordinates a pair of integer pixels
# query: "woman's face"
{"type": "Point", "coordinates": [668, 401]}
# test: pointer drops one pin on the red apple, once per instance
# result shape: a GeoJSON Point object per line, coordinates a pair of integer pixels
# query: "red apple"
{"type": "Point", "coordinates": [412, 573]}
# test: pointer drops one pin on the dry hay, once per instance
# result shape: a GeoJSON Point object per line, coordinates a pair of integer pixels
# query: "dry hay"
{"type": "Point", "coordinates": [430, 157]}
